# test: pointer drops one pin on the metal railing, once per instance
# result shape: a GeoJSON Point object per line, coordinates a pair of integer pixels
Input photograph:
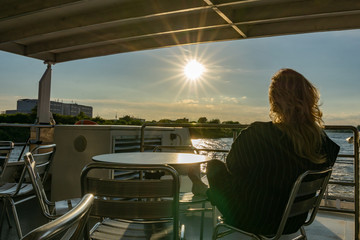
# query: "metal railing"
{"type": "Point", "coordinates": [22, 125]}
{"type": "Point", "coordinates": [26, 125]}
{"type": "Point", "coordinates": [355, 184]}
{"type": "Point", "coordinates": [31, 140]}
{"type": "Point", "coordinates": [236, 127]}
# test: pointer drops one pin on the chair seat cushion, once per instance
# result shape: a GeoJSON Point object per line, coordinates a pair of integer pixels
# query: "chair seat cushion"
{"type": "Point", "coordinates": [121, 229]}
{"type": "Point", "coordinates": [9, 189]}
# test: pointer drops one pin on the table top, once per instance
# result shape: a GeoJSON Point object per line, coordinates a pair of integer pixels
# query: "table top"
{"type": "Point", "coordinates": [144, 158]}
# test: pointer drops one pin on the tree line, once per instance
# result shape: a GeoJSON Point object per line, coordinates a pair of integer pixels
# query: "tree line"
{"type": "Point", "coordinates": [21, 134]}
{"type": "Point", "coordinates": [30, 118]}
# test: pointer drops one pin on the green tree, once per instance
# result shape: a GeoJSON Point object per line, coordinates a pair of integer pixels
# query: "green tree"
{"type": "Point", "coordinates": [98, 120]}
{"type": "Point", "coordinates": [82, 115]}
{"type": "Point", "coordinates": [202, 120]}
{"type": "Point", "coordinates": [215, 121]}
{"type": "Point", "coordinates": [230, 122]}
{"type": "Point", "coordinates": [126, 118]}
{"type": "Point", "coordinates": [182, 120]}
{"type": "Point", "coordinates": [165, 121]}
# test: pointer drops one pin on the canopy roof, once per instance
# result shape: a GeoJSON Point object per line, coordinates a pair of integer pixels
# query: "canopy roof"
{"type": "Point", "coordinates": [64, 30]}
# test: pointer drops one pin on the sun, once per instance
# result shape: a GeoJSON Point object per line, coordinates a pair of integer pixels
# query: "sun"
{"type": "Point", "coordinates": [193, 70]}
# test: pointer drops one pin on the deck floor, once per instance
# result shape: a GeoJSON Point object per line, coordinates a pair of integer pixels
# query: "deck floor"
{"type": "Point", "coordinates": [327, 225]}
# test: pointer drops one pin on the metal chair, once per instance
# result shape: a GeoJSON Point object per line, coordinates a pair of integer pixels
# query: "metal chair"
{"type": "Point", "coordinates": [305, 197]}
{"type": "Point", "coordinates": [69, 226]}
{"type": "Point", "coordinates": [50, 210]}
{"type": "Point", "coordinates": [142, 208]}
{"type": "Point", "coordinates": [43, 156]}
{"type": "Point", "coordinates": [5, 149]}
{"type": "Point", "coordinates": [17, 188]}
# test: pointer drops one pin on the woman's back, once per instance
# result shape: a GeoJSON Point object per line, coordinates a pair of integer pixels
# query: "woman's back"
{"type": "Point", "coordinates": [264, 166]}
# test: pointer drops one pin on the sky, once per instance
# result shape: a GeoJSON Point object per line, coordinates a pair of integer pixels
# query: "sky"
{"type": "Point", "coordinates": [152, 85]}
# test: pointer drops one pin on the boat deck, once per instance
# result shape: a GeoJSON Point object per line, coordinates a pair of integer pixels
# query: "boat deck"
{"type": "Point", "coordinates": [327, 225]}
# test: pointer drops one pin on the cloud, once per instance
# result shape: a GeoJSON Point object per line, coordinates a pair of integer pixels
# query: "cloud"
{"type": "Point", "coordinates": [208, 99]}
{"type": "Point", "coordinates": [189, 108]}
{"type": "Point", "coordinates": [225, 99]}
{"type": "Point", "coordinates": [189, 101]}
{"type": "Point", "coordinates": [341, 118]}
{"type": "Point", "coordinates": [9, 102]}
{"type": "Point", "coordinates": [223, 108]}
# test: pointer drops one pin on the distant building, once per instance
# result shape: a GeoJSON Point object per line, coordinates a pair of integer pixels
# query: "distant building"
{"type": "Point", "coordinates": [72, 109]}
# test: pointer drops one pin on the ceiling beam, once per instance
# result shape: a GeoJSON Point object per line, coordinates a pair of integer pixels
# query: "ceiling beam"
{"type": "Point", "coordinates": [63, 30]}
{"type": "Point", "coordinates": [223, 16]}
{"type": "Point", "coordinates": [278, 10]}
{"type": "Point", "coordinates": [160, 26]}
{"type": "Point", "coordinates": [305, 25]}
{"type": "Point", "coordinates": [89, 13]}
{"type": "Point", "coordinates": [114, 32]}
{"type": "Point", "coordinates": [171, 39]}
{"type": "Point", "coordinates": [15, 8]}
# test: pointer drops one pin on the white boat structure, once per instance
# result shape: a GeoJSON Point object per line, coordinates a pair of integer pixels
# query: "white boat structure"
{"type": "Point", "coordinates": [64, 30]}
{"type": "Point", "coordinates": [350, 139]}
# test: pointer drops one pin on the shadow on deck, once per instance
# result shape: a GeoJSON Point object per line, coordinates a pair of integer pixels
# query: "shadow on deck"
{"type": "Point", "coordinates": [327, 225]}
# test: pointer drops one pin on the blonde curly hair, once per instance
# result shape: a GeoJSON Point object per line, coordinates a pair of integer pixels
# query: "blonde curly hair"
{"type": "Point", "coordinates": [295, 110]}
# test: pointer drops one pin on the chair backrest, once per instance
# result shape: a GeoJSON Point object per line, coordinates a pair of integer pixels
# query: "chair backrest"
{"type": "Point", "coordinates": [305, 196]}
{"type": "Point", "coordinates": [37, 183]}
{"type": "Point", "coordinates": [43, 156]}
{"type": "Point", "coordinates": [121, 198]}
{"type": "Point", "coordinates": [5, 149]}
{"type": "Point", "coordinates": [68, 226]}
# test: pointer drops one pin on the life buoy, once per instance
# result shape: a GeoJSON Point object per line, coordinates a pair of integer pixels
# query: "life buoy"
{"type": "Point", "coordinates": [85, 122]}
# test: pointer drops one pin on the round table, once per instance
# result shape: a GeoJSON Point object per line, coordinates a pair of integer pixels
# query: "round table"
{"type": "Point", "coordinates": [180, 161]}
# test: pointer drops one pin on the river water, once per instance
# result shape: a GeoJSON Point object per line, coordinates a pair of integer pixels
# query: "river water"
{"type": "Point", "coordinates": [343, 169]}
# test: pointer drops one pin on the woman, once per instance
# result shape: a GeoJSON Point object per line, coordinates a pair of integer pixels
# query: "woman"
{"type": "Point", "coordinates": [252, 187]}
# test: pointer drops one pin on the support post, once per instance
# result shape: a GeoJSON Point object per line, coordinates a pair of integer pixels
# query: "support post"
{"type": "Point", "coordinates": [43, 106]}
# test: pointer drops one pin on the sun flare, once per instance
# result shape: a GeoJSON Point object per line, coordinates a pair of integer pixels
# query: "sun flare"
{"type": "Point", "coordinates": [194, 70]}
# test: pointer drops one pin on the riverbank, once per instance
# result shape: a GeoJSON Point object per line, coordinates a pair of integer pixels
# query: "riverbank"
{"type": "Point", "coordinates": [213, 132]}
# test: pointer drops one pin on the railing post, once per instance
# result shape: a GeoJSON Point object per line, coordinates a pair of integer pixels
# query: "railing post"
{"type": "Point", "coordinates": [235, 134]}
{"type": "Point", "coordinates": [142, 137]}
{"type": "Point", "coordinates": [357, 185]}
{"type": "Point", "coordinates": [356, 175]}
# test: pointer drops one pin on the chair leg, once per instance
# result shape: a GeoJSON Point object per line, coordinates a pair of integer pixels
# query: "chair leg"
{"type": "Point", "coordinates": [3, 212]}
{"type": "Point", "coordinates": [202, 221]}
{"type": "Point", "coordinates": [303, 233]}
{"type": "Point", "coordinates": [217, 234]}
{"type": "Point", "coordinates": [16, 218]}
{"type": "Point", "coordinates": [8, 217]}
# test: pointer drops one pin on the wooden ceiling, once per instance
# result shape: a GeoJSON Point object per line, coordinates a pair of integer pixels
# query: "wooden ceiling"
{"type": "Point", "coordinates": [64, 30]}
